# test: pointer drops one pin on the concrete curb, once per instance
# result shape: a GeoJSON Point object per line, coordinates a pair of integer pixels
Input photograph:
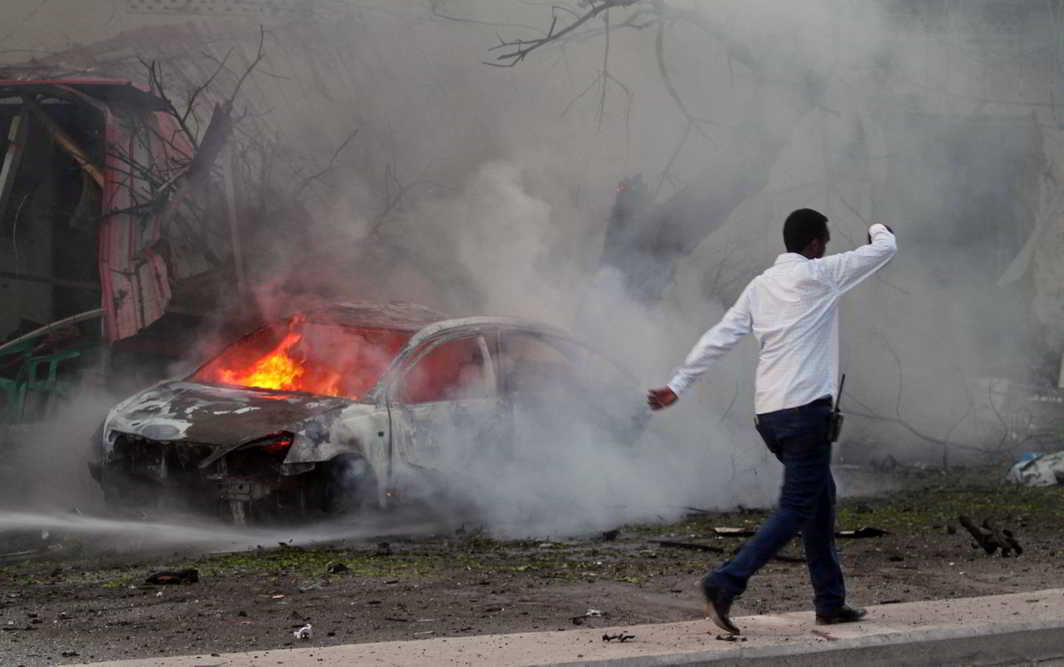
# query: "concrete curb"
{"type": "Point", "coordinates": [1022, 643]}
{"type": "Point", "coordinates": [1018, 628]}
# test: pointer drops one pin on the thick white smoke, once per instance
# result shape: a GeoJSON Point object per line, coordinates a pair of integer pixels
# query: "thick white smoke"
{"type": "Point", "coordinates": [488, 190]}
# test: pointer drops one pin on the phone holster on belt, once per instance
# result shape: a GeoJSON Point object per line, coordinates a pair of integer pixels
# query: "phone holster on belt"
{"type": "Point", "coordinates": [835, 426]}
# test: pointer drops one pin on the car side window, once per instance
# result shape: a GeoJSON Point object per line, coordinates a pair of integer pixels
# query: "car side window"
{"type": "Point", "coordinates": [530, 363]}
{"type": "Point", "coordinates": [454, 370]}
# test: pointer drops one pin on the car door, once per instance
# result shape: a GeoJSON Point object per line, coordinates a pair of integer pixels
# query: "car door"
{"type": "Point", "coordinates": [562, 394]}
{"type": "Point", "coordinates": [444, 406]}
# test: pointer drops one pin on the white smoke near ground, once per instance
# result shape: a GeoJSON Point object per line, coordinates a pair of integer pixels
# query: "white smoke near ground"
{"type": "Point", "coordinates": [45, 465]}
{"type": "Point", "coordinates": [480, 190]}
{"type": "Point", "coordinates": [561, 471]}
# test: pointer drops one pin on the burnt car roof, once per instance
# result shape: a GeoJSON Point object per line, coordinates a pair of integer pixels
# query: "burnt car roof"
{"type": "Point", "coordinates": [401, 316]}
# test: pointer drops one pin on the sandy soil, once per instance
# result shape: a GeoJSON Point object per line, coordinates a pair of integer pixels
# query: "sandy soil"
{"type": "Point", "coordinates": [66, 606]}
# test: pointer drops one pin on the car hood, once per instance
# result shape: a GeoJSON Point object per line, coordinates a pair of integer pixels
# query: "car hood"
{"type": "Point", "coordinates": [213, 415]}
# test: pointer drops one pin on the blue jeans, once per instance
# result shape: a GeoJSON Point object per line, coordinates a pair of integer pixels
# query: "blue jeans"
{"type": "Point", "coordinates": [800, 440]}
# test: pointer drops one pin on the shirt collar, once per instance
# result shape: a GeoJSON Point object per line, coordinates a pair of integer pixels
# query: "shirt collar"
{"type": "Point", "coordinates": [790, 257]}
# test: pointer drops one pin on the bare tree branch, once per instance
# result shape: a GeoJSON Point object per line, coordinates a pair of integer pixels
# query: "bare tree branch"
{"type": "Point", "coordinates": [328, 167]}
{"type": "Point", "coordinates": [251, 67]}
{"type": "Point", "coordinates": [514, 51]}
{"type": "Point", "coordinates": [605, 69]}
{"type": "Point", "coordinates": [667, 171]}
{"type": "Point", "coordinates": [670, 87]}
{"type": "Point", "coordinates": [434, 6]}
{"type": "Point", "coordinates": [190, 105]}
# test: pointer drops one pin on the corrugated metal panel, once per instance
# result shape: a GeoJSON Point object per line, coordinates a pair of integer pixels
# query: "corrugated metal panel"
{"type": "Point", "coordinates": [135, 280]}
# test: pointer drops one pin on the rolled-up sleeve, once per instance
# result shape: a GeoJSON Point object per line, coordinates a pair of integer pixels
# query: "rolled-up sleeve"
{"type": "Point", "coordinates": [846, 270]}
{"type": "Point", "coordinates": [735, 324]}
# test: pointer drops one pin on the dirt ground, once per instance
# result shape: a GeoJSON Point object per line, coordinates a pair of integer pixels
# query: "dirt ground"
{"type": "Point", "coordinates": [97, 606]}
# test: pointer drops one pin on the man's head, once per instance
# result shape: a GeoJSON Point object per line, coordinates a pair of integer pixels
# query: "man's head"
{"type": "Point", "coordinates": [806, 232]}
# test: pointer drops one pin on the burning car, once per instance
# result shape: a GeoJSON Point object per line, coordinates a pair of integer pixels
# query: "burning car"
{"type": "Point", "coordinates": [345, 407]}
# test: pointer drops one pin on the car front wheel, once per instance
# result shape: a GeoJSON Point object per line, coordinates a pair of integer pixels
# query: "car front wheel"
{"type": "Point", "coordinates": [350, 485]}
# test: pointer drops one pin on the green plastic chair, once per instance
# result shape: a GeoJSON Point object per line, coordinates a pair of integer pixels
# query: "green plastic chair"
{"type": "Point", "coordinates": [42, 376]}
{"type": "Point", "coordinates": [11, 388]}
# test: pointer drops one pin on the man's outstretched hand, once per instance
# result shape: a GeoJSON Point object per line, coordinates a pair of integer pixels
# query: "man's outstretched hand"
{"type": "Point", "coordinates": [661, 398]}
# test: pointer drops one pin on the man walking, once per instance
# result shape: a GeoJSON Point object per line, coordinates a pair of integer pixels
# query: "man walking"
{"type": "Point", "coordinates": [792, 310]}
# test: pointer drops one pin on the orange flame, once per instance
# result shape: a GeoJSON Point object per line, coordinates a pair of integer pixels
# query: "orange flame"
{"type": "Point", "coordinates": [276, 370]}
{"type": "Point", "coordinates": [343, 362]}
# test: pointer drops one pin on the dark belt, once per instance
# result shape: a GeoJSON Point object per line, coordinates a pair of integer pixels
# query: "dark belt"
{"type": "Point", "coordinates": [823, 401]}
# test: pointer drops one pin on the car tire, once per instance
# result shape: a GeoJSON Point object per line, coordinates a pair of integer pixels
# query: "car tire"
{"type": "Point", "coordinates": [350, 485]}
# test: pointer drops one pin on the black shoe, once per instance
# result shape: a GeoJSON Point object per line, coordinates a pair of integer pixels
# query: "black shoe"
{"type": "Point", "coordinates": [718, 606]}
{"type": "Point", "coordinates": [843, 614]}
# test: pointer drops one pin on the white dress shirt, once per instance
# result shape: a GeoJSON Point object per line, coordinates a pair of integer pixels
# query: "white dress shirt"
{"type": "Point", "coordinates": [792, 308]}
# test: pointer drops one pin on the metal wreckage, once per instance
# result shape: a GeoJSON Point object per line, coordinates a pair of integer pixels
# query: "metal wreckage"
{"type": "Point", "coordinates": [98, 191]}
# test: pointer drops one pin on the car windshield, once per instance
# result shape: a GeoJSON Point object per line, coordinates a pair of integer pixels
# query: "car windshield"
{"type": "Point", "coordinates": [307, 357]}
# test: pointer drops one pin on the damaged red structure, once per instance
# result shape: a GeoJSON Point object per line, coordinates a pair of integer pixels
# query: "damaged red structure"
{"type": "Point", "coordinates": [128, 153]}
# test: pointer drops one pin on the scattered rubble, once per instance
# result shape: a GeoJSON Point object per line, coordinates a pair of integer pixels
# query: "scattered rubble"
{"type": "Point", "coordinates": [692, 546]}
{"type": "Point", "coordinates": [590, 613]}
{"type": "Point", "coordinates": [1038, 470]}
{"type": "Point", "coordinates": [169, 577]}
{"type": "Point", "coordinates": [304, 633]}
{"type": "Point", "coordinates": [991, 538]}
{"type": "Point", "coordinates": [861, 533]}
{"type": "Point", "coordinates": [731, 531]}
{"type": "Point", "coordinates": [336, 568]}
{"type": "Point", "coordinates": [619, 637]}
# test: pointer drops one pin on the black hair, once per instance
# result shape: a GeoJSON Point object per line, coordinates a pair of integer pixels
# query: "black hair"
{"type": "Point", "coordinates": [802, 227]}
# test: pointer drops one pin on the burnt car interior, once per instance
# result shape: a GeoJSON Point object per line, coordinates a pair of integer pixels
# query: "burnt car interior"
{"type": "Point", "coordinates": [308, 357]}
{"type": "Point", "coordinates": [452, 370]}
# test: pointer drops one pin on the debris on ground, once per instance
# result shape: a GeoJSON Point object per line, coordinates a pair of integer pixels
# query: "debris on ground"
{"type": "Point", "coordinates": [886, 464]}
{"type": "Point", "coordinates": [991, 538]}
{"type": "Point", "coordinates": [779, 557]}
{"type": "Point", "coordinates": [693, 546]}
{"type": "Point", "coordinates": [611, 535]}
{"type": "Point", "coordinates": [619, 637]}
{"type": "Point", "coordinates": [169, 577]}
{"type": "Point", "coordinates": [860, 533]}
{"type": "Point", "coordinates": [1036, 469]}
{"type": "Point", "coordinates": [304, 633]}
{"type": "Point", "coordinates": [336, 568]}
{"type": "Point", "coordinates": [730, 638]}
{"type": "Point", "coordinates": [731, 531]}
{"type": "Point", "coordinates": [590, 613]}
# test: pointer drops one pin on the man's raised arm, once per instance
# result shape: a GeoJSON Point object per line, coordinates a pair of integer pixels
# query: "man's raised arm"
{"type": "Point", "coordinates": [847, 269]}
{"type": "Point", "coordinates": [735, 324]}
